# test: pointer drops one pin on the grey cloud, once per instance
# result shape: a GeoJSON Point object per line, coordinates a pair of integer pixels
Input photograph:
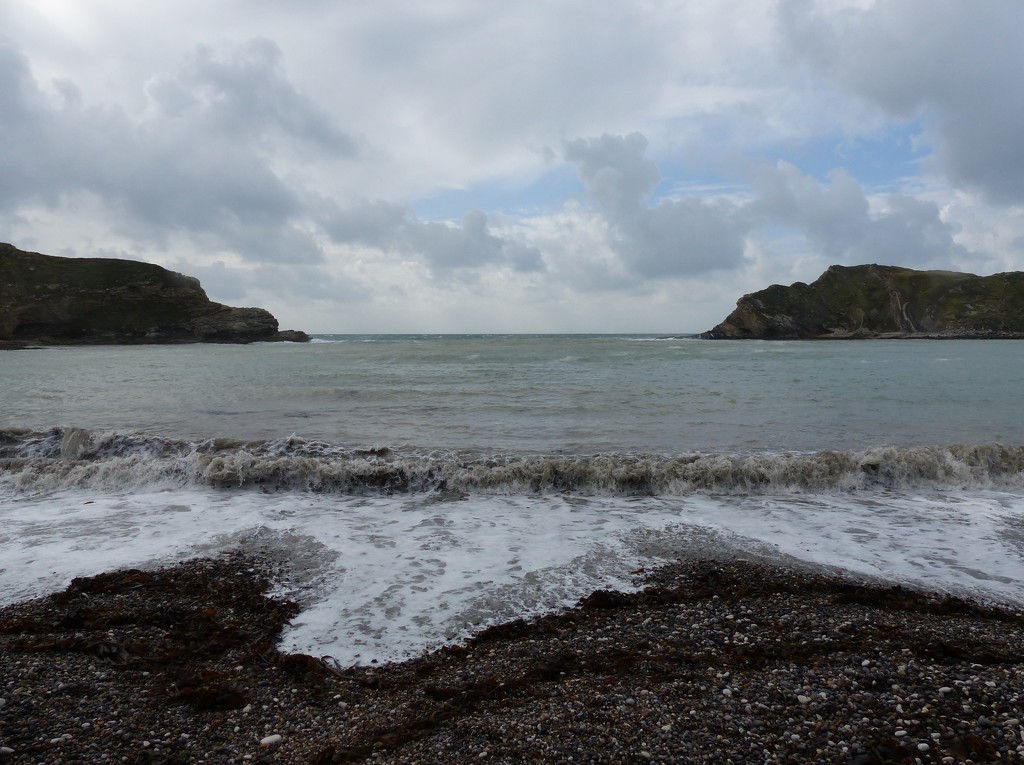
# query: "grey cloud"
{"type": "Point", "coordinates": [834, 217]}
{"type": "Point", "coordinates": [376, 224]}
{"type": "Point", "coordinates": [442, 246]}
{"type": "Point", "coordinates": [24, 135]}
{"type": "Point", "coordinates": [687, 236]}
{"type": "Point", "coordinates": [956, 65]}
{"type": "Point", "coordinates": [245, 93]}
{"type": "Point", "coordinates": [470, 245]}
{"type": "Point", "coordinates": [911, 232]}
{"type": "Point", "coordinates": [201, 166]}
{"type": "Point", "coordinates": [445, 246]}
{"type": "Point", "coordinates": [674, 237]}
{"type": "Point", "coordinates": [837, 221]}
{"type": "Point", "coordinates": [17, 89]}
{"type": "Point", "coordinates": [615, 173]}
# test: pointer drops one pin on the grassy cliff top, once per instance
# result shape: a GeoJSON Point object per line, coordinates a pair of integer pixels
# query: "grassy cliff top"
{"type": "Point", "coordinates": [881, 301]}
{"type": "Point", "coordinates": [46, 299]}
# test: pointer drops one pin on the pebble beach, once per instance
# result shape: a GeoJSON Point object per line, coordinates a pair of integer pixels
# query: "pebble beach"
{"type": "Point", "coordinates": [712, 661]}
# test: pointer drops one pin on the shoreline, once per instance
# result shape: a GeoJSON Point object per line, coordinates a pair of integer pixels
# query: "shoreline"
{"type": "Point", "coordinates": [712, 661]}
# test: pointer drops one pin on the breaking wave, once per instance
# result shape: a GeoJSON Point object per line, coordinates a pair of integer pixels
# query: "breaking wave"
{"type": "Point", "coordinates": [61, 459]}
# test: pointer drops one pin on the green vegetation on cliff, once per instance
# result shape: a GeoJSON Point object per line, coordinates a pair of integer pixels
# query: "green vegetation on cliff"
{"type": "Point", "coordinates": [881, 301]}
{"type": "Point", "coordinates": [52, 300]}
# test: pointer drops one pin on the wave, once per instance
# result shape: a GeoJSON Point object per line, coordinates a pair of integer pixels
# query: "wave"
{"type": "Point", "coordinates": [72, 458]}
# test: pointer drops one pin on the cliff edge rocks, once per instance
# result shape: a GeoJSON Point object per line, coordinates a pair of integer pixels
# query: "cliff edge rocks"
{"type": "Point", "coordinates": [49, 300]}
{"type": "Point", "coordinates": [873, 301]}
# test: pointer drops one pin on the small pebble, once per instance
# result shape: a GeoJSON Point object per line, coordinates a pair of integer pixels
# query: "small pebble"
{"type": "Point", "coordinates": [771, 720]}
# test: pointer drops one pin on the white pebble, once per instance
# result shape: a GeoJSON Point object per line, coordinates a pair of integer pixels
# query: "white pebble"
{"type": "Point", "coordinates": [901, 733]}
{"type": "Point", "coordinates": [269, 741]}
{"type": "Point", "coordinates": [727, 692]}
{"type": "Point", "coordinates": [866, 663]}
{"type": "Point", "coordinates": [945, 689]}
{"type": "Point", "coordinates": [923, 747]}
{"type": "Point", "coordinates": [803, 699]}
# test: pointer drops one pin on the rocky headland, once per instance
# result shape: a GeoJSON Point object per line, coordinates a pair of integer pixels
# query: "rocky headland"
{"type": "Point", "coordinates": [873, 301]}
{"type": "Point", "coordinates": [50, 300]}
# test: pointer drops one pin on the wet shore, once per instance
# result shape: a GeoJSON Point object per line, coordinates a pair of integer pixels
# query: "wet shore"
{"type": "Point", "coordinates": [711, 661]}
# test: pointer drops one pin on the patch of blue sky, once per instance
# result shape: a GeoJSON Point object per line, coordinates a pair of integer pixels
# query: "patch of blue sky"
{"type": "Point", "coordinates": [706, 187]}
{"type": "Point", "coordinates": [880, 162]}
{"type": "Point", "coordinates": [545, 194]}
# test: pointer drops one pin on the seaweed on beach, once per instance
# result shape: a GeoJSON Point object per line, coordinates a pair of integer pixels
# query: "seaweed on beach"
{"type": "Point", "coordinates": [707, 661]}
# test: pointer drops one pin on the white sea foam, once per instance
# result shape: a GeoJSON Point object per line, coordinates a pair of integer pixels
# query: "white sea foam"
{"type": "Point", "coordinates": [386, 577]}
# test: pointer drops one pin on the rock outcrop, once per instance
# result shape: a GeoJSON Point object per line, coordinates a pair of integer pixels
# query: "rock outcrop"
{"type": "Point", "coordinates": [49, 300]}
{"type": "Point", "coordinates": [881, 302]}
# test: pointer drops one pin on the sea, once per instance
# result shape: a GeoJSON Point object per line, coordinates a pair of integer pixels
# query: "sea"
{"type": "Point", "coordinates": [412, 489]}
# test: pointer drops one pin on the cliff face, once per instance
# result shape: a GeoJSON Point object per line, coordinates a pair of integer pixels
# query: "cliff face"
{"type": "Point", "coordinates": [51, 300]}
{"type": "Point", "coordinates": [881, 301]}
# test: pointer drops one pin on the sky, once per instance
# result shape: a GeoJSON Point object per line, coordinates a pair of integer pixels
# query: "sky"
{"type": "Point", "coordinates": [473, 166]}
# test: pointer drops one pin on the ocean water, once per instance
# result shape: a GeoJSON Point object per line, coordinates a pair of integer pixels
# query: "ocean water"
{"type": "Point", "coordinates": [417, 488]}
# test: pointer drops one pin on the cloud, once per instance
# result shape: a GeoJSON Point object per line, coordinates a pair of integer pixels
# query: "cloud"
{"type": "Point", "coordinates": [674, 237]}
{"type": "Point", "coordinates": [833, 216]}
{"type": "Point", "coordinates": [957, 65]}
{"type": "Point", "coordinates": [444, 247]}
{"type": "Point", "coordinates": [396, 158]}
{"type": "Point", "coordinates": [843, 225]}
{"type": "Point", "coordinates": [910, 232]}
{"type": "Point", "coordinates": [617, 176]}
{"type": "Point", "coordinates": [246, 95]}
{"type": "Point", "coordinates": [200, 160]}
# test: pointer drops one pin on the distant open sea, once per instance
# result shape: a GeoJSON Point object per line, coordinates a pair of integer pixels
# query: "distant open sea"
{"type": "Point", "coordinates": [418, 487]}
